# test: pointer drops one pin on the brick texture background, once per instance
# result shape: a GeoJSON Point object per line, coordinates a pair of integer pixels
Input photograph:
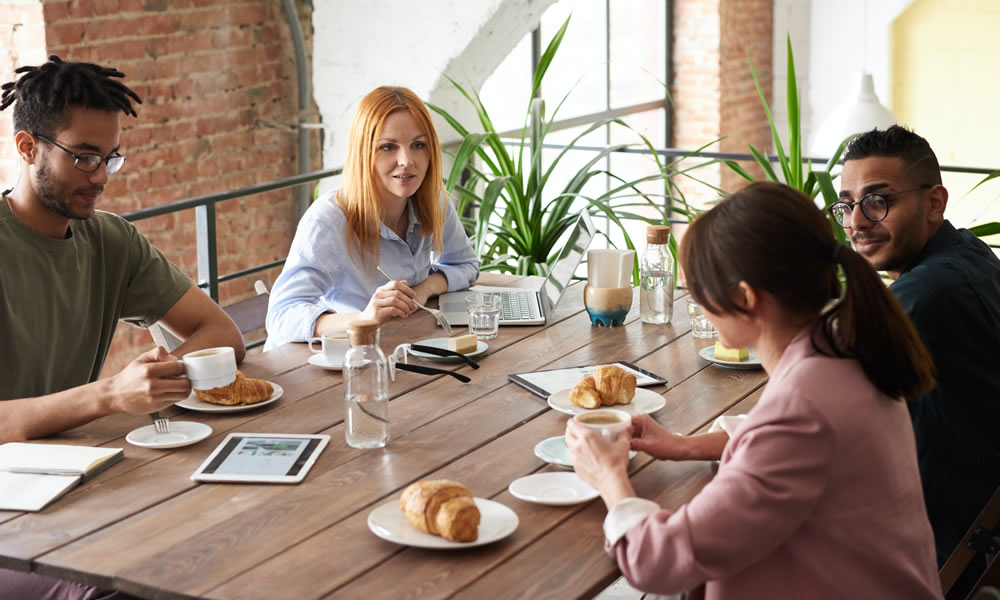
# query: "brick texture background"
{"type": "Point", "coordinates": [218, 83]}
{"type": "Point", "coordinates": [714, 94]}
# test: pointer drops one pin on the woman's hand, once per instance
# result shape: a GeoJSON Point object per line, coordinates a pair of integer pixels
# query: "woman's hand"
{"type": "Point", "coordinates": [394, 299]}
{"type": "Point", "coordinates": [652, 438]}
{"type": "Point", "coordinates": [600, 462]}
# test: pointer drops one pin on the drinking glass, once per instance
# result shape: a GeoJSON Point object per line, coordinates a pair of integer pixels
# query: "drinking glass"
{"type": "Point", "coordinates": [484, 314]}
{"type": "Point", "coordinates": [701, 327]}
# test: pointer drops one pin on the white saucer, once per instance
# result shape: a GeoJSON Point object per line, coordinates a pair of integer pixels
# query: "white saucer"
{"type": "Point", "coordinates": [554, 451]}
{"type": "Point", "coordinates": [557, 489]}
{"type": "Point", "coordinates": [644, 402]}
{"type": "Point", "coordinates": [708, 353]}
{"type": "Point", "coordinates": [389, 523]}
{"type": "Point", "coordinates": [182, 433]}
{"type": "Point", "coordinates": [193, 403]}
{"type": "Point", "coordinates": [442, 343]}
{"type": "Point", "coordinates": [319, 360]}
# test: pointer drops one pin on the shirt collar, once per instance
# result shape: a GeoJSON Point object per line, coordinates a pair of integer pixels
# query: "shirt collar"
{"type": "Point", "coordinates": [945, 236]}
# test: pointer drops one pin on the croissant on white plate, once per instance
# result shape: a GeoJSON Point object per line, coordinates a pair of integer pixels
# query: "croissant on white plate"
{"type": "Point", "coordinates": [441, 507]}
{"type": "Point", "coordinates": [241, 391]}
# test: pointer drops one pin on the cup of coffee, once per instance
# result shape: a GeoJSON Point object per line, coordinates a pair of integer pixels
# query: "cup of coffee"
{"type": "Point", "coordinates": [333, 344]}
{"type": "Point", "coordinates": [210, 368]}
{"type": "Point", "coordinates": [609, 422]}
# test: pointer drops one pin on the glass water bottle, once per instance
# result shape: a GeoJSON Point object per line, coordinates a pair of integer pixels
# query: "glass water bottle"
{"type": "Point", "coordinates": [656, 296]}
{"type": "Point", "coordinates": [366, 388]}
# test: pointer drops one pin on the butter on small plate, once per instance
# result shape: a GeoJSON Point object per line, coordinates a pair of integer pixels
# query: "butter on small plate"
{"type": "Point", "coordinates": [708, 353]}
{"type": "Point", "coordinates": [442, 343]}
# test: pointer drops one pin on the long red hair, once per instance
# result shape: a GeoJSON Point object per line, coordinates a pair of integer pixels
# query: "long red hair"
{"type": "Point", "coordinates": [358, 197]}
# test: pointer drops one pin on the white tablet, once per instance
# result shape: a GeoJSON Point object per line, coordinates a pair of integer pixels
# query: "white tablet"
{"type": "Point", "coordinates": [262, 458]}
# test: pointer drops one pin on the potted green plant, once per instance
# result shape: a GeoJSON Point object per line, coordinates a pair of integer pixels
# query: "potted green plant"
{"type": "Point", "coordinates": [516, 220]}
{"type": "Point", "coordinates": [793, 171]}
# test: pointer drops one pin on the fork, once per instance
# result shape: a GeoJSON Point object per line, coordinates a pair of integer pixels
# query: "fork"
{"type": "Point", "coordinates": [441, 319]}
{"type": "Point", "coordinates": [160, 425]}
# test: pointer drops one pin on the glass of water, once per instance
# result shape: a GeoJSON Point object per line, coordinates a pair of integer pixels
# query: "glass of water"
{"type": "Point", "coordinates": [484, 314]}
{"type": "Point", "coordinates": [701, 327]}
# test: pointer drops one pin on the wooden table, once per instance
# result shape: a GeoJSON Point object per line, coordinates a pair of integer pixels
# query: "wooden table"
{"type": "Point", "coordinates": [144, 527]}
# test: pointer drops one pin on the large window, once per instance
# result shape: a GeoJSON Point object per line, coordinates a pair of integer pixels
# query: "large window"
{"type": "Point", "coordinates": [613, 62]}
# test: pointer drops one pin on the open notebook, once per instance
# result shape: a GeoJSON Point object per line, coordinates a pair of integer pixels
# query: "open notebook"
{"type": "Point", "coordinates": [34, 475]}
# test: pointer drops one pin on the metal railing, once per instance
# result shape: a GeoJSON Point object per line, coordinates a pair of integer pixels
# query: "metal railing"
{"type": "Point", "coordinates": [208, 270]}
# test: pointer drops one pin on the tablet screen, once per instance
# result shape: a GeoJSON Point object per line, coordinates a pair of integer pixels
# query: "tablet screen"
{"type": "Point", "coordinates": [262, 457]}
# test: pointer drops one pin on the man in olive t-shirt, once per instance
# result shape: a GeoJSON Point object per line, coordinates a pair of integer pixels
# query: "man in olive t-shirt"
{"type": "Point", "coordinates": [70, 272]}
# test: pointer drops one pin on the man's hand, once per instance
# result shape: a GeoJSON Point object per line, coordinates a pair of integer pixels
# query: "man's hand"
{"type": "Point", "coordinates": [151, 382]}
{"type": "Point", "coordinates": [394, 299]}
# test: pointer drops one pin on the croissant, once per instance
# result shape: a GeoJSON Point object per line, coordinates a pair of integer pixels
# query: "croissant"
{"type": "Point", "coordinates": [441, 507]}
{"type": "Point", "coordinates": [242, 391]}
{"type": "Point", "coordinates": [585, 394]}
{"type": "Point", "coordinates": [615, 385]}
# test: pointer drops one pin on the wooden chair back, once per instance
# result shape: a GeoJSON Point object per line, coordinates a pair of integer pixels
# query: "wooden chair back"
{"type": "Point", "coordinates": [249, 316]}
{"type": "Point", "coordinates": [983, 537]}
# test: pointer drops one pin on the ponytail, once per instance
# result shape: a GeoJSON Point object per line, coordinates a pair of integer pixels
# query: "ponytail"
{"type": "Point", "coordinates": [869, 324]}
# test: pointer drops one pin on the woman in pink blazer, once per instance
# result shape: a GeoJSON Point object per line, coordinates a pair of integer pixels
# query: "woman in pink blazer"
{"type": "Point", "coordinates": [818, 493]}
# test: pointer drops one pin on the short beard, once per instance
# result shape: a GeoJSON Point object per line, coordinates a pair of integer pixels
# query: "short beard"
{"type": "Point", "coordinates": [52, 193]}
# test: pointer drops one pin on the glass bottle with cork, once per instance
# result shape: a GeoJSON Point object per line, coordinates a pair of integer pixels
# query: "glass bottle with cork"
{"type": "Point", "coordinates": [366, 387]}
{"type": "Point", "coordinates": [656, 294]}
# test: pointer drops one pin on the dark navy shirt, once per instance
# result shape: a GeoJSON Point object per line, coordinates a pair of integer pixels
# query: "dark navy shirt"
{"type": "Point", "coordinates": [952, 294]}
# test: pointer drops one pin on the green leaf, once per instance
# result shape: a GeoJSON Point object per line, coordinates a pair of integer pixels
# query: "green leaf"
{"type": "Point", "coordinates": [782, 159]}
{"type": "Point", "coordinates": [794, 124]}
{"type": "Point", "coordinates": [986, 229]}
{"type": "Point", "coordinates": [825, 182]}
{"type": "Point", "coordinates": [992, 175]}
{"type": "Point", "coordinates": [469, 145]}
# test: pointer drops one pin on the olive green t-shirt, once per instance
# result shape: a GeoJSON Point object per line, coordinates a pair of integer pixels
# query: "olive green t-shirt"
{"type": "Point", "coordinates": [60, 300]}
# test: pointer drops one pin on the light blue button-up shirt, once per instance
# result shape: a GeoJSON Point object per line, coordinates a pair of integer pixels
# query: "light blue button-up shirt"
{"type": "Point", "coordinates": [321, 276]}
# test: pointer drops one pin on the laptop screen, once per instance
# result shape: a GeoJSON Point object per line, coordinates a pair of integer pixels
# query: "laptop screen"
{"type": "Point", "coordinates": [561, 274]}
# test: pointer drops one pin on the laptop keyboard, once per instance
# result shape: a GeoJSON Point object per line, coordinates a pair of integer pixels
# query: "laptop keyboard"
{"type": "Point", "coordinates": [518, 306]}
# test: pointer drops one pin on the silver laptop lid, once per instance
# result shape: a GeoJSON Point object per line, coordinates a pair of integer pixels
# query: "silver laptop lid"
{"type": "Point", "coordinates": [561, 274]}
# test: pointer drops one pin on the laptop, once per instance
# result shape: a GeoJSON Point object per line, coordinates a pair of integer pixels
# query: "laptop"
{"type": "Point", "coordinates": [527, 306]}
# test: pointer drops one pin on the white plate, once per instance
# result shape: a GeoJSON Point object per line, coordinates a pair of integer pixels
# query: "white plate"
{"type": "Point", "coordinates": [708, 353]}
{"type": "Point", "coordinates": [193, 403]}
{"type": "Point", "coordinates": [442, 343]}
{"type": "Point", "coordinates": [389, 523]}
{"type": "Point", "coordinates": [644, 402]}
{"type": "Point", "coordinates": [182, 433]}
{"type": "Point", "coordinates": [554, 451]}
{"type": "Point", "coordinates": [557, 489]}
{"type": "Point", "coordinates": [319, 360]}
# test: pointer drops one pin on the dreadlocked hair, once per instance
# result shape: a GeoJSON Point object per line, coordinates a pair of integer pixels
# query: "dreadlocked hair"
{"type": "Point", "coordinates": [44, 93]}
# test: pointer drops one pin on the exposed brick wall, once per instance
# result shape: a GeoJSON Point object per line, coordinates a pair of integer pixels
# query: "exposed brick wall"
{"type": "Point", "coordinates": [218, 83]}
{"type": "Point", "coordinates": [714, 95]}
{"type": "Point", "coordinates": [22, 41]}
{"type": "Point", "coordinates": [746, 27]}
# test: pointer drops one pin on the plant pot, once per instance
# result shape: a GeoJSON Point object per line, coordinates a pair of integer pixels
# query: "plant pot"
{"type": "Point", "coordinates": [607, 307]}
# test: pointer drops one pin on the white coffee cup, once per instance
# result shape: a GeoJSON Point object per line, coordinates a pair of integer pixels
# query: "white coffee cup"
{"type": "Point", "coordinates": [609, 422]}
{"type": "Point", "coordinates": [210, 368]}
{"type": "Point", "coordinates": [333, 344]}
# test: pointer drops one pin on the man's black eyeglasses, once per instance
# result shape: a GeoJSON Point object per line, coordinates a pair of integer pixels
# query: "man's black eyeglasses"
{"type": "Point", "coordinates": [875, 206]}
{"type": "Point", "coordinates": [88, 161]}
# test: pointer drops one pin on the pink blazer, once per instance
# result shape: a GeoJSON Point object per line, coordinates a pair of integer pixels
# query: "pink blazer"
{"type": "Point", "coordinates": [817, 496]}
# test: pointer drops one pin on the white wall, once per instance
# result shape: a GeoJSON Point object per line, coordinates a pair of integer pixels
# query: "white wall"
{"type": "Point", "coordinates": [361, 45]}
{"type": "Point", "coordinates": [833, 40]}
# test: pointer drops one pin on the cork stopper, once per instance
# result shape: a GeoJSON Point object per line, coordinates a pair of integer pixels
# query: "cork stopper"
{"type": "Point", "coordinates": [657, 234]}
{"type": "Point", "coordinates": [363, 332]}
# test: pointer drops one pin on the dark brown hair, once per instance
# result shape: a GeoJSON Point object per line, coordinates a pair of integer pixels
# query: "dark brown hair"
{"type": "Point", "coordinates": [44, 94]}
{"type": "Point", "coordinates": [898, 142]}
{"type": "Point", "coordinates": [775, 239]}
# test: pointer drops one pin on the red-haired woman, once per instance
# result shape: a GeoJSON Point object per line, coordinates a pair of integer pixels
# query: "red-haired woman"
{"type": "Point", "coordinates": [391, 211]}
{"type": "Point", "coordinates": [818, 493]}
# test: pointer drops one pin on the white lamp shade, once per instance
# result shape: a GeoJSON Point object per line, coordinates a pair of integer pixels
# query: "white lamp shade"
{"type": "Point", "coordinates": [860, 112]}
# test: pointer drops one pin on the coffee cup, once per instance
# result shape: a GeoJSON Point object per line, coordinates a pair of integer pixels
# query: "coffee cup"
{"type": "Point", "coordinates": [333, 344]}
{"type": "Point", "coordinates": [608, 422]}
{"type": "Point", "coordinates": [210, 368]}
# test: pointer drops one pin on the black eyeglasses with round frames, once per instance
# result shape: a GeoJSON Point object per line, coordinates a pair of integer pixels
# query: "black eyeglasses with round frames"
{"type": "Point", "coordinates": [874, 206]}
{"type": "Point", "coordinates": [88, 161]}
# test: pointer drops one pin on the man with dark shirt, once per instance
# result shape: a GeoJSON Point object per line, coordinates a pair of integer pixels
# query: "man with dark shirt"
{"type": "Point", "coordinates": [948, 281]}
